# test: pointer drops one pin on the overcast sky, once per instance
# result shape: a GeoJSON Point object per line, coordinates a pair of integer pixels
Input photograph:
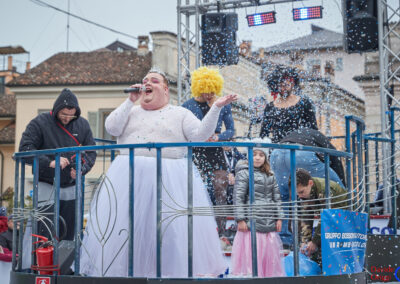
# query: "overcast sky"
{"type": "Point", "coordinates": [43, 31]}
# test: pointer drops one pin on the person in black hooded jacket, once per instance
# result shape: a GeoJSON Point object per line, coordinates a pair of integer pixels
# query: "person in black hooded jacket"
{"type": "Point", "coordinates": [62, 127]}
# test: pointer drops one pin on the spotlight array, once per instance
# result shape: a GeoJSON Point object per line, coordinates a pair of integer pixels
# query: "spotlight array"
{"type": "Point", "coordinates": [261, 19]}
{"type": "Point", "coordinates": [307, 13]}
{"type": "Point", "coordinates": [299, 14]}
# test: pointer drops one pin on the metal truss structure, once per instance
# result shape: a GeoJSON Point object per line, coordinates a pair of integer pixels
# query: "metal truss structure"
{"type": "Point", "coordinates": [189, 37]}
{"type": "Point", "coordinates": [389, 57]}
{"type": "Point", "coordinates": [389, 66]}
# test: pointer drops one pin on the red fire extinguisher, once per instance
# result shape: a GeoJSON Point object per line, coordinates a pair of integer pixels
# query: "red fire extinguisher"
{"type": "Point", "coordinates": [44, 256]}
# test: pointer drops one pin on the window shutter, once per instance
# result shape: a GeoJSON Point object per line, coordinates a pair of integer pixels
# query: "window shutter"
{"type": "Point", "coordinates": [93, 122]}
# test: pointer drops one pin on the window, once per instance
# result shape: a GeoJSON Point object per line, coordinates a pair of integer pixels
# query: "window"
{"type": "Point", "coordinates": [40, 111]}
{"type": "Point", "coordinates": [103, 132]}
{"type": "Point", "coordinates": [314, 66]}
{"type": "Point", "coordinates": [296, 58]}
{"type": "Point", "coordinates": [339, 64]}
{"type": "Point", "coordinates": [97, 123]}
{"type": "Point", "coordinates": [2, 85]}
{"type": "Point", "coordinates": [329, 70]}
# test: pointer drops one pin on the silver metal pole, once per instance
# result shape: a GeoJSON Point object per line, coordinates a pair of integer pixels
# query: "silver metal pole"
{"type": "Point", "coordinates": [190, 215]}
{"type": "Point", "coordinates": [159, 214]}
{"type": "Point", "coordinates": [187, 53]}
{"type": "Point", "coordinates": [179, 39]}
{"type": "Point", "coordinates": [383, 72]}
{"type": "Point", "coordinates": [197, 31]}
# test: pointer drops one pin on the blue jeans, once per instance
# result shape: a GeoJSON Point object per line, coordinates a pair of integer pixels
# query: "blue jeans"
{"type": "Point", "coordinates": [280, 165]}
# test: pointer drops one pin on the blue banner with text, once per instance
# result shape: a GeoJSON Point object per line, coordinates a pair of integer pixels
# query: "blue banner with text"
{"type": "Point", "coordinates": [343, 241]}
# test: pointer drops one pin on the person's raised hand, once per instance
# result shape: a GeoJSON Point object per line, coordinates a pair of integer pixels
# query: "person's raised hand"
{"type": "Point", "coordinates": [223, 101]}
{"type": "Point", "coordinates": [134, 96]}
{"type": "Point", "coordinates": [213, 138]}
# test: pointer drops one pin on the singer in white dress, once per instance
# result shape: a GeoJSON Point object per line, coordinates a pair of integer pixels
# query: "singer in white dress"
{"type": "Point", "coordinates": [104, 250]}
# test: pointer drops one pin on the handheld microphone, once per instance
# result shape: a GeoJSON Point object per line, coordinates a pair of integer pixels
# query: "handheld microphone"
{"type": "Point", "coordinates": [134, 90]}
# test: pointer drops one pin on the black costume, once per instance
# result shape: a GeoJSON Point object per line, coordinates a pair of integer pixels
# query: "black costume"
{"type": "Point", "coordinates": [281, 121]}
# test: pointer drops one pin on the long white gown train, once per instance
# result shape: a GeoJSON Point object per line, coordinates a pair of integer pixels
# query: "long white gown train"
{"type": "Point", "coordinates": [104, 250]}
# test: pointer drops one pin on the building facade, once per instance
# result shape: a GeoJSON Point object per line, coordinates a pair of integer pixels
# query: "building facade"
{"type": "Point", "coordinates": [322, 55]}
{"type": "Point", "coordinates": [8, 72]}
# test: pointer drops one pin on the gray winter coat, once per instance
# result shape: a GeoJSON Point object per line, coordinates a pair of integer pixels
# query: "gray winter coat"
{"type": "Point", "coordinates": [266, 193]}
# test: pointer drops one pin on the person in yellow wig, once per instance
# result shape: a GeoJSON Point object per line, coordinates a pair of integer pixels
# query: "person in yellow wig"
{"type": "Point", "coordinates": [206, 87]}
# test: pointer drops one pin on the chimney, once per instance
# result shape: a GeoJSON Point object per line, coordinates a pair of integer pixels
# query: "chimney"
{"type": "Point", "coordinates": [245, 48]}
{"type": "Point", "coordinates": [164, 52]}
{"type": "Point", "coordinates": [143, 45]}
{"type": "Point", "coordinates": [9, 63]}
{"type": "Point", "coordinates": [261, 53]}
{"type": "Point", "coordinates": [28, 66]}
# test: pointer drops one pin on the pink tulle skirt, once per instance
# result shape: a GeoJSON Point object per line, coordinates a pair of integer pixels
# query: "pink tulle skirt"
{"type": "Point", "coordinates": [269, 254]}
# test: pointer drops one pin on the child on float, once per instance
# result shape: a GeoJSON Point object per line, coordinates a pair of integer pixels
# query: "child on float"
{"type": "Point", "coordinates": [269, 245]}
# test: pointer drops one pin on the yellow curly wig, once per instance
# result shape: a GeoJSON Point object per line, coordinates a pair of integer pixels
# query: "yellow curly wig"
{"type": "Point", "coordinates": [206, 80]}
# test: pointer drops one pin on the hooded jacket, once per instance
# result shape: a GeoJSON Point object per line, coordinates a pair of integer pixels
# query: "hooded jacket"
{"type": "Point", "coordinates": [45, 132]}
{"type": "Point", "coordinates": [312, 137]}
{"type": "Point", "coordinates": [266, 193]}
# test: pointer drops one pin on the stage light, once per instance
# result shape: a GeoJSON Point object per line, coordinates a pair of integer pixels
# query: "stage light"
{"type": "Point", "coordinates": [307, 13]}
{"type": "Point", "coordinates": [261, 19]}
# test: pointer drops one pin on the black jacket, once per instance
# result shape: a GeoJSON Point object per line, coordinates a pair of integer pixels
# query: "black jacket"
{"type": "Point", "coordinates": [312, 137]}
{"type": "Point", "coordinates": [45, 132]}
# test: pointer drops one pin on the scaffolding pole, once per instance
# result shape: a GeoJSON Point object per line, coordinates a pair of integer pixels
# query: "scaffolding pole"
{"type": "Point", "coordinates": [388, 22]}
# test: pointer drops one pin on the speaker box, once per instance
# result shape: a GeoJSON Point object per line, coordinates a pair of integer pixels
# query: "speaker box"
{"type": "Point", "coordinates": [218, 36]}
{"type": "Point", "coordinates": [382, 258]}
{"type": "Point", "coordinates": [361, 25]}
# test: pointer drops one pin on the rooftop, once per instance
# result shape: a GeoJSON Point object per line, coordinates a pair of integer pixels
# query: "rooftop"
{"type": "Point", "coordinates": [87, 68]}
{"type": "Point", "coordinates": [319, 38]}
{"type": "Point", "coordinates": [7, 134]}
{"type": "Point", "coordinates": [7, 106]}
{"type": "Point", "coordinates": [5, 50]}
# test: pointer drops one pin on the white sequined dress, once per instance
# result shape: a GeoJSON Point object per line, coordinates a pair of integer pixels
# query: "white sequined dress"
{"type": "Point", "coordinates": [104, 249]}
